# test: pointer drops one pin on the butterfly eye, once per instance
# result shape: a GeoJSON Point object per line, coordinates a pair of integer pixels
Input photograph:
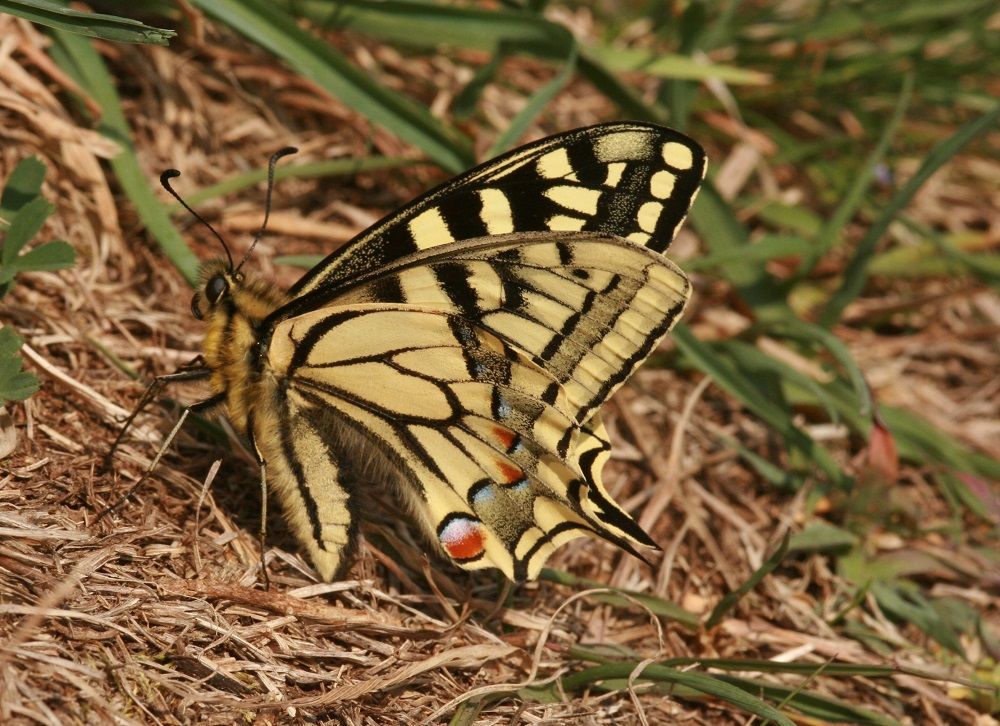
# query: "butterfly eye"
{"type": "Point", "coordinates": [216, 288]}
{"type": "Point", "coordinates": [195, 306]}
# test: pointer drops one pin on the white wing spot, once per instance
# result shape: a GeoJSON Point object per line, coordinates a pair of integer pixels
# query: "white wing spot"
{"type": "Point", "coordinates": [429, 229]}
{"type": "Point", "coordinates": [678, 155]}
{"type": "Point", "coordinates": [649, 214]}
{"type": "Point", "coordinates": [661, 184]}
{"type": "Point", "coordinates": [579, 199]}
{"type": "Point", "coordinates": [640, 238]}
{"type": "Point", "coordinates": [615, 170]}
{"type": "Point", "coordinates": [554, 165]}
{"type": "Point", "coordinates": [562, 223]}
{"type": "Point", "coordinates": [496, 213]}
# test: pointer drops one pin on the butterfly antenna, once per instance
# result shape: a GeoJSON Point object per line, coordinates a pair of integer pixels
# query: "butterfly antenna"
{"type": "Point", "coordinates": [165, 178]}
{"type": "Point", "coordinates": [287, 151]}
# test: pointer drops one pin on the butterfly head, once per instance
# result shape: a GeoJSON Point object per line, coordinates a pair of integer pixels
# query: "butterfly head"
{"type": "Point", "coordinates": [221, 278]}
{"type": "Point", "coordinates": [215, 290]}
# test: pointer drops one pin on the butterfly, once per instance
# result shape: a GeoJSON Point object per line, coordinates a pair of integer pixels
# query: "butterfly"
{"type": "Point", "coordinates": [458, 352]}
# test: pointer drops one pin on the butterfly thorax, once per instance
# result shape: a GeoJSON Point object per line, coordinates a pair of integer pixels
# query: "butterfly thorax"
{"type": "Point", "coordinates": [233, 305]}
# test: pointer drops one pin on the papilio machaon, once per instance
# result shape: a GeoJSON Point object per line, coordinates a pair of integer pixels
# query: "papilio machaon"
{"type": "Point", "coordinates": [460, 350]}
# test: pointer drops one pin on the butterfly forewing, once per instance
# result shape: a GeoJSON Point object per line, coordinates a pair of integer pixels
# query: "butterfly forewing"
{"type": "Point", "coordinates": [632, 180]}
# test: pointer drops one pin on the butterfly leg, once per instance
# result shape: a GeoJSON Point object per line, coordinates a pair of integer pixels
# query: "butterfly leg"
{"type": "Point", "coordinates": [192, 371]}
{"type": "Point", "coordinates": [198, 407]}
{"type": "Point", "coordinates": [262, 532]}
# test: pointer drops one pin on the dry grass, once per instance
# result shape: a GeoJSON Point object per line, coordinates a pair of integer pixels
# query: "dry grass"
{"type": "Point", "coordinates": [155, 614]}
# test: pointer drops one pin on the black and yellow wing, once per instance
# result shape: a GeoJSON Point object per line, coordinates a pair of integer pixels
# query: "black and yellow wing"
{"type": "Point", "coordinates": [466, 376]}
{"type": "Point", "coordinates": [630, 179]}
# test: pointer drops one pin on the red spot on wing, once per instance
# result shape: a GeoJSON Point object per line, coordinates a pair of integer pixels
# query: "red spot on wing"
{"type": "Point", "coordinates": [510, 473]}
{"type": "Point", "coordinates": [463, 539]}
{"type": "Point", "coordinates": [505, 436]}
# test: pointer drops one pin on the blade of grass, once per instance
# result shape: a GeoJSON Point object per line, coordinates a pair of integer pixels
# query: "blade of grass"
{"type": "Point", "coordinates": [855, 194]}
{"type": "Point", "coordinates": [95, 25]}
{"type": "Point", "coordinates": [534, 107]}
{"type": "Point", "coordinates": [813, 705]}
{"type": "Point", "coordinates": [857, 270]}
{"type": "Point", "coordinates": [735, 380]}
{"type": "Point", "coordinates": [430, 25]}
{"type": "Point", "coordinates": [727, 237]}
{"type": "Point", "coordinates": [77, 56]}
{"type": "Point", "coordinates": [808, 332]}
{"type": "Point", "coordinates": [730, 600]}
{"type": "Point", "coordinates": [273, 28]}
{"type": "Point", "coordinates": [656, 605]}
{"type": "Point", "coordinates": [699, 683]}
{"type": "Point", "coordinates": [669, 65]}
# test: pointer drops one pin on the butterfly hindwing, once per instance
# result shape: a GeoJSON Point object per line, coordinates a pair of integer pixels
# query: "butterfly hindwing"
{"type": "Point", "coordinates": [472, 398]}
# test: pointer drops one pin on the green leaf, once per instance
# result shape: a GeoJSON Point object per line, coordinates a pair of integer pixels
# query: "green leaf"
{"type": "Point", "coordinates": [820, 536]}
{"type": "Point", "coordinates": [267, 24]}
{"type": "Point", "coordinates": [23, 227]}
{"type": "Point", "coordinates": [57, 255]}
{"type": "Point", "coordinates": [15, 384]}
{"type": "Point", "coordinates": [23, 185]}
{"type": "Point", "coordinates": [96, 25]}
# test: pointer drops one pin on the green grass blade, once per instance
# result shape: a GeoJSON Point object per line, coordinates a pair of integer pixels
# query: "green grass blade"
{"type": "Point", "coordinates": [727, 238]}
{"type": "Point", "coordinates": [862, 182]}
{"type": "Point", "coordinates": [628, 102]}
{"type": "Point", "coordinates": [696, 683]}
{"type": "Point", "coordinates": [808, 332]}
{"type": "Point", "coordinates": [534, 106]}
{"type": "Point", "coordinates": [823, 708]}
{"type": "Point", "coordinates": [667, 65]}
{"type": "Point", "coordinates": [730, 600]}
{"type": "Point", "coordinates": [95, 25]}
{"type": "Point", "coordinates": [77, 57]}
{"type": "Point", "coordinates": [431, 25]}
{"type": "Point", "coordinates": [656, 605]}
{"type": "Point", "coordinates": [857, 270]}
{"type": "Point", "coordinates": [267, 24]}
{"type": "Point", "coordinates": [735, 380]}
